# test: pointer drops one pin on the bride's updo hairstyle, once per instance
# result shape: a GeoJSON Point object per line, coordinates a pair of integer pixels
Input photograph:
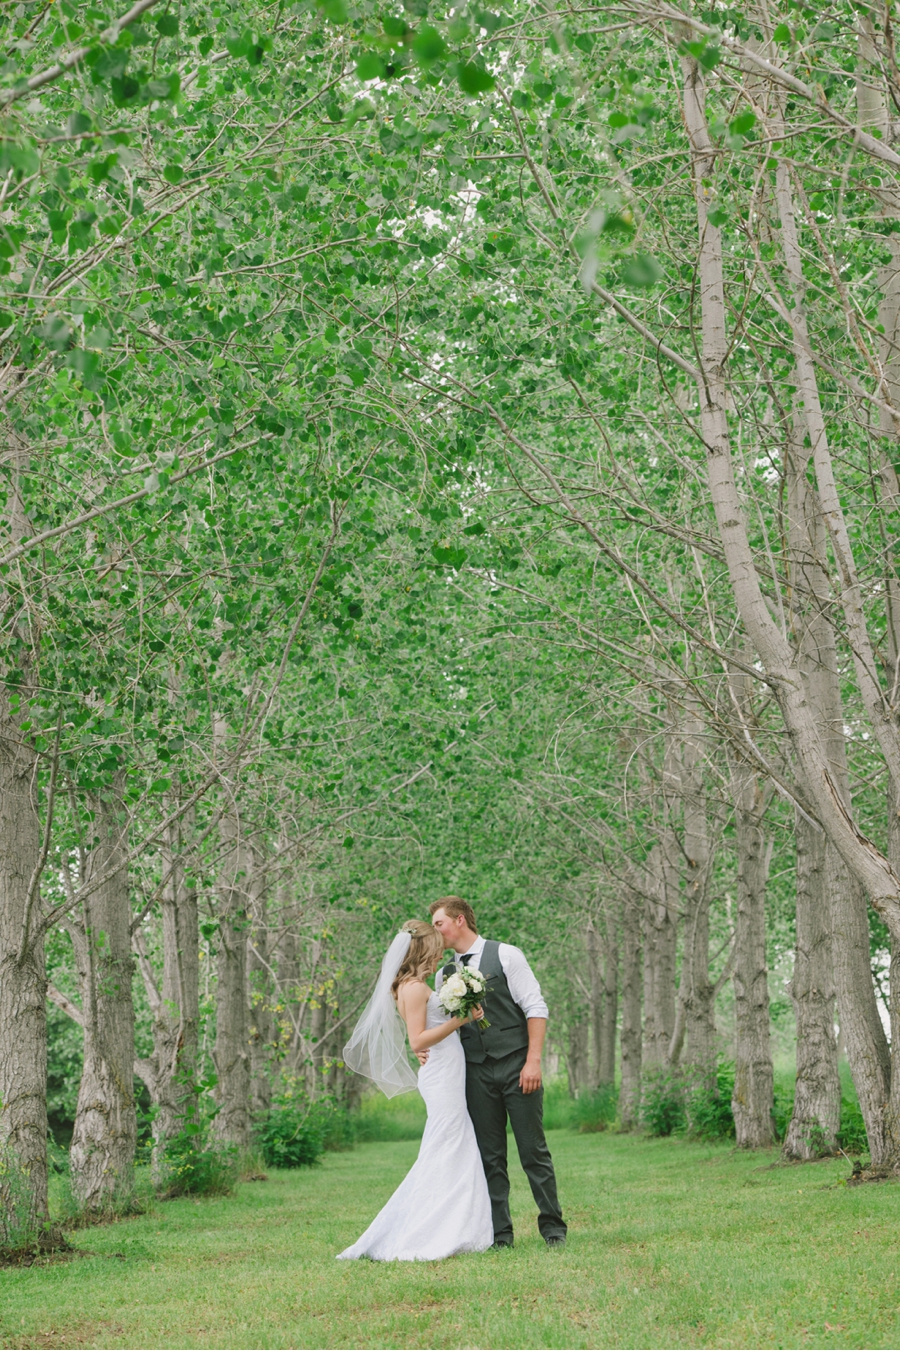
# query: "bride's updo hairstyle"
{"type": "Point", "coordinates": [426, 945]}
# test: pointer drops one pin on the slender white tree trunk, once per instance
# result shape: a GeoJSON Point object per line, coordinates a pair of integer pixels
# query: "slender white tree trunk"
{"type": "Point", "coordinates": [753, 1098]}
{"type": "Point", "coordinates": [660, 938]}
{"type": "Point", "coordinates": [865, 860]}
{"type": "Point", "coordinates": [595, 974]}
{"type": "Point", "coordinates": [259, 994]}
{"type": "Point", "coordinates": [105, 1133]}
{"type": "Point", "coordinates": [177, 1012]}
{"type": "Point", "coordinates": [23, 987]}
{"type": "Point", "coordinates": [231, 1056]}
{"type": "Point", "coordinates": [607, 1064]}
{"type": "Point", "coordinates": [817, 1092]}
{"type": "Point", "coordinates": [630, 1085]}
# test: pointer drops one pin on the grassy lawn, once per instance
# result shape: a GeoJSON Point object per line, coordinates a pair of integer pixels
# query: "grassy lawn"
{"type": "Point", "coordinates": [671, 1245]}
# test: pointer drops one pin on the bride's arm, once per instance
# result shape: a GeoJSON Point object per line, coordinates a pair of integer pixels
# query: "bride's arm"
{"type": "Point", "coordinates": [412, 999]}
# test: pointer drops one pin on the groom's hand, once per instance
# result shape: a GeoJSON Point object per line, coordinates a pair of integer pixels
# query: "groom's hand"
{"type": "Point", "coordinates": [422, 1057]}
{"type": "Point", "coordinates": [530, 1076]}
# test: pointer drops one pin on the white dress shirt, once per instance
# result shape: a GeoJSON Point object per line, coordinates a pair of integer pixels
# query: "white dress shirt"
{"type": "Point", "coordinates": [523, 985]}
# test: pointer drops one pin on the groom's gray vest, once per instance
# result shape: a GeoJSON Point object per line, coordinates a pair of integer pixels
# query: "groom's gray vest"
{"type": "Point", "coordinates": [509, 1028]}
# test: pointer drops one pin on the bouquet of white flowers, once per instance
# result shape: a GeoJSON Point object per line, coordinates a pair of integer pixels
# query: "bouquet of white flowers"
{"type": "Point", "coordinates": [462, 991]}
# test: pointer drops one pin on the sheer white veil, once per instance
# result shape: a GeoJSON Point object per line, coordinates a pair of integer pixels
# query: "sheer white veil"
{"type": "Point", "coordinates": [377, 1046]}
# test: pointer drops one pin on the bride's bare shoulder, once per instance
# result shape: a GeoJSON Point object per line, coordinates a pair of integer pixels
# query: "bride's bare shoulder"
{"type": "Point", "coordinates": [413, 989]}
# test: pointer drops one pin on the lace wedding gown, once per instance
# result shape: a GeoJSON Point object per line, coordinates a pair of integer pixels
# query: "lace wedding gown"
{"type": "Point", "coordinates": [435, 1213]}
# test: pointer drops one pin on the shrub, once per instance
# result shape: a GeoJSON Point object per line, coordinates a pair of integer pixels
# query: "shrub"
{"type": "Point", "coordinates": [193, 1164]}
{"type": "Point", "coordinates": [707, 1105]}
{"type": "Point", "coordinates": [685, 1103]}
{"type": "Point", "coordinates": [17, 1229]}
{"type": "Point", "coordinates": [782, 1110]}
{"type": "Point", "coordinates": [852, 1131]}
{"type": "Point", "coordinates": [662, 1103]}
{"type": "Point", "coordinates": [290, 1135]}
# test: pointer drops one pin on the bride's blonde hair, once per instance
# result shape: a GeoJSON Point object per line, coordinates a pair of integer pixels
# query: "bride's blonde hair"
{"type": "Point", "coordinates": [425, 946]}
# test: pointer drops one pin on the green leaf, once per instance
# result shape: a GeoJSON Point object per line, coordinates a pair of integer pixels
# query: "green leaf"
{"type": "Point", "coordinates": [238, 44]}
{"type": "Point", "coordinates": [335, 10]}
{"type": "Point", "coordinates": [642, 271]}
{"type": "Point", "coordinates": [167, 25]}
{"type": "Point", "coordinates": [173, 173]}
{"type": "Point", "coordinates": [428, 45]}
{"type": "Point", "coordinates": [782, 34]}
{"type": "Point", "coordinates": [743, 125]}
{"type": "Point", "coordinates": [370, 66]}
{"type": "Point", "coordinates": [717, 217]}
{"type": "Point", "coordinates": [166, 87]}
{"type": "Point", "coordinates": [98, 338]}
{"type": "Point", "coordinates": [56, 333]}
{"type": "Point", "coordinates": [474, 79]}
{"type": "Point", "coordinates": [452, 557]}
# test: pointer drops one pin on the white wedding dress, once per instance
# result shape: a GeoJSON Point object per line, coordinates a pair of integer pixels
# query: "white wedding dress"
{"type": "Point", "coordinates": [434, 1214]}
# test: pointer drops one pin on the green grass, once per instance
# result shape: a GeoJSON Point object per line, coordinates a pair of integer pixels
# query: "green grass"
{"type": "Point", "coordinates": [672, 1245]}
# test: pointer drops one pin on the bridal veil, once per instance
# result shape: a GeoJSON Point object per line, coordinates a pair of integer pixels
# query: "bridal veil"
{"type": "Point", "coordinates": [377, 1046]}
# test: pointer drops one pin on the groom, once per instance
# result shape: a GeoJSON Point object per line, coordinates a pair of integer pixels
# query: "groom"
{"type": "Point", "coordinates": [503, 1068]}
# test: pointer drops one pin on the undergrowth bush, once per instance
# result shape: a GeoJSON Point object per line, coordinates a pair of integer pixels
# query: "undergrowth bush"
{"type": "Point", "coordinates": [17, 1229]}
{"type": "Point", "coordinates": [681, 1103]}
{"type": "Point", "coordinates": [707, 1105]}
{"type": "Point", "coordinates": [192, 1164]}
{"type": "Point", "coordinates": [662, 1103]}
{"type": "Point", "coordinates": [852, 1131]}
{"type": "Point", "coordinates": [290, 1135]}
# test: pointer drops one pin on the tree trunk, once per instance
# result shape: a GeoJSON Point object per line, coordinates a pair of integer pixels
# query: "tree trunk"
{"type": "Point", "coordinates": [873, 112]}
{"type": "Point", "coordinates": [577, 1064]}
{"type": "Point", "coordinates": [817, 1093]}
{"type": "Point", "coordinates": [753, 1097]}
{"type": "Point", "coordinates": [598, 1003]}
{"type": "Point", "coordinates": [606, 1066]}
{"type": "Point", "coordinates": [702, 1049]}
{"type": "Point", "coordinates": [23, 1012]}
{"type": "Point", "coordinates": [869, 865]}
{"type": "Point", "coordinates": [865, 860]}
{"type": "Point", "coordinates": [867, 1049]}
{"type": "Point", "coordinates": [260, 995]}
{"type": "Point", "coordinates": [232, 1048]}
{"type": "Point", "coordinates": [23, 986]}
{"type": "Point", "coordinates": [659, 964]}
{"type": "Point", "coordinates": [177, 1014]}
{"type": "Point", "coordinates": [630, 1088]}
{"type": "Point", "coordinates": [105, 1133]}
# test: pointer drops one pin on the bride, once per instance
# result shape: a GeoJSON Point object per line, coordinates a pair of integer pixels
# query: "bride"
{"type": "Point", "coordinates": [427, 1218]}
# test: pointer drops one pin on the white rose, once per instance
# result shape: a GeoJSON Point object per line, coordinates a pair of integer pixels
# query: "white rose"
{"type": "Point", "coordinates": [476, 973]}
{"type": "Point", "coordinates": [454, 986]}
{"type": "Point", "coordinates": [450, 1003]}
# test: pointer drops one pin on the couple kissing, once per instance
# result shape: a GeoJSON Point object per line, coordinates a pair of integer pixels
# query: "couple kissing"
{"type": "Point", "coordinates": [472, 1078]}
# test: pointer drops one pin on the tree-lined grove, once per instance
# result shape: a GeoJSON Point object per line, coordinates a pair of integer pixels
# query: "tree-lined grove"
{"type": "Point", "coordinates": [444, 450]}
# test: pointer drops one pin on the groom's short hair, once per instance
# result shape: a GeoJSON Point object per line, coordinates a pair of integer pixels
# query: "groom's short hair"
{"type": "Point", "coordinates": [456, 906]}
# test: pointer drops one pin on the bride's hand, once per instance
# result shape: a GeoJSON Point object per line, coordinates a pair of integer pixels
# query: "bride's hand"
{"type": "Point", "coordinates": [476, 1013]}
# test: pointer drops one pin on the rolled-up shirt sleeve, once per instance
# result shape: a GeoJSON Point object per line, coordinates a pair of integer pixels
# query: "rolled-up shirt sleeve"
{"type": "Point", "coordinates": [523, 985]}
